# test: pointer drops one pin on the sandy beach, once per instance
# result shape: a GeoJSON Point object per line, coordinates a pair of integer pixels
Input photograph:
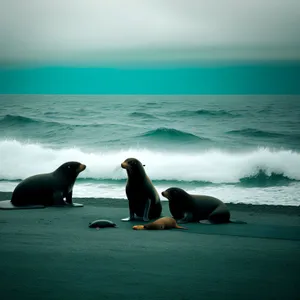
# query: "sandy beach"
{"type": "Point", "coordinates": [52, 254]}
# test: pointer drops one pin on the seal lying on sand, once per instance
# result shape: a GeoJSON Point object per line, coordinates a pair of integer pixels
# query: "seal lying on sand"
{"type": "Point", "coordinates": [142, 196]}
{"type": "Point", "coordinates": [48, 189]}
{"type": "Point", "coordinates": [102, 224]}
{"type": "Point", "coordinates": [160, 224]}
{"type": "Point", "coordinates": [197, 208]}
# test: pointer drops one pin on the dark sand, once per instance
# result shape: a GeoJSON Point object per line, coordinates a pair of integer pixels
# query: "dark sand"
{"type": "Point", "coordinates": [52, 254]}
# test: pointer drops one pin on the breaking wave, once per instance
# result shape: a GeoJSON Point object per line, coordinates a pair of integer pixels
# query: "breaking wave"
{"type": "Point", "coordinates": [259, 167]}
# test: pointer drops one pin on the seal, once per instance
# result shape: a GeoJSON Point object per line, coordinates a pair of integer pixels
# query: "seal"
{"type": "Point", "coordinates": [185, 208]}
{"type": "Point", "coordinates": [143, 198]}
{"type": "Point", "coordinates": [102, 224]}
{"type": "Point", "coordinates": [48, 189]}
{"type": "Point", "coordinates": [160, 224]}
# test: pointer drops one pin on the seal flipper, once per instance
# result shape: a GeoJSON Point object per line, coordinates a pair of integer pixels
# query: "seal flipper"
{"type": "Point", "coordinates": [130, 218]}
{"type": "Point", "coordinates": [188, 217]}
{"type": "Point", "coordinates": [58, 199]}
{"type": "Point", "coordinates": [206, 222]}
{"type": "Point", "coordinates": [146, 210]}
{"type": "Point", "coordinates": [180, 227]}
{"type": "Point", "coordinates": [73, 204]}
{"type": "Point", "coordinates": [220, 215]}
{"type": "Point", "coordinates": [131, 213]}
{"type": "Point", "coordinates": [69, 201]}
{"type": "Point", "coordinates": [69, 197]}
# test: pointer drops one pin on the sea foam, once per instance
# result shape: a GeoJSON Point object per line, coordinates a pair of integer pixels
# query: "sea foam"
{"type": "Point", "coordinates": [20, 160]}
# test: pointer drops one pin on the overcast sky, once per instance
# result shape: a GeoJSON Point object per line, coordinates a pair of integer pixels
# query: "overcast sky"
{"type": "Point", "coordinates": [30, 28]}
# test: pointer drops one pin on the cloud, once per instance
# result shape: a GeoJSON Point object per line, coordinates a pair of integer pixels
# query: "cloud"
{"type": "Point", "coordinates": [35, 28]}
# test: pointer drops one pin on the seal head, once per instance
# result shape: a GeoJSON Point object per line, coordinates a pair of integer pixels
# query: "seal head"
{"type": "Point", "coordinates": [178, 201]}
{"type": "Point", "coordinates": [69, 171]}
{"type": "Point", "coordinates": [134, 168]}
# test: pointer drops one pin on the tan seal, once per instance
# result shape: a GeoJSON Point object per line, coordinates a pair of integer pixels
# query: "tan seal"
{"type": "Point", "coordinates": [160, 224]}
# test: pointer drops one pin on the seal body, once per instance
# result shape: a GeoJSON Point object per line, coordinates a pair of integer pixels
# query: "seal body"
{"type": "Point", "coordinates": [185, 207]}
{"type": "Point", "coordinates": [160, 224]}
{"type": "Point", "coordinates": [143, 198]}
{"type": "Point", "coordinates": [48, 189]}
{"type": "Point", "coordinates": [102, 224]}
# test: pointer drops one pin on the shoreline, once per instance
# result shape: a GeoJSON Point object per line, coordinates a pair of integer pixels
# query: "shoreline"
{"type": "Point", "coordinates": [250, 213]}
{"type": "Point", "coordinates": [120, 202]}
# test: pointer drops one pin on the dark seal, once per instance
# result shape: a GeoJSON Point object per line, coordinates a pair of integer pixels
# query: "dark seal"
{"type": "Point", "coordinates": [48, 189]}
{"type": "Point", "coordinates": [144, 201]}
{"type": "Point", "coordinates": [186, 208]}
{"type": "Point", "coordinates": [102, 224]}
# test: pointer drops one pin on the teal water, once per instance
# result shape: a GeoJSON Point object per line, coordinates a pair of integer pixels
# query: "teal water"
{"type": "Point", "coordinates": [241, 148]}
{"type": "Point", "coordinates": [244, 77]}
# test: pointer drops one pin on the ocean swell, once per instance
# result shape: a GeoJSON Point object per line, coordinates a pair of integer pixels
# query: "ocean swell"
{"type": "Point", "coordinates": [142, 115]}
{"type": "Point", "coordinates": [203, 112]}
{"type": "Point", "coordinates": [250, 132]}
{"type": "Point", "coordinates": [20, 121]}
{"type": "Point", "coordinates": [171, 134]}
{"type": "Point", "coordinates": [11, 120]}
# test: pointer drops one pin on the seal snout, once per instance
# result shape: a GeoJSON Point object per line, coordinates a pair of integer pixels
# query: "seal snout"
{"type": "Point", "coordinates": [124, 165]}
{"type": "Point", "coordinates": [81, 168]}
{"type": "Point", "coordinates": [165, 194]}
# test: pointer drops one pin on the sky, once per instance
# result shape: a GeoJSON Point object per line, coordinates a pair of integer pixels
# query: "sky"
{"type": "Point", "coordinates": [62, 29]}
{"type": "Point", "coordinates": [180, 46]}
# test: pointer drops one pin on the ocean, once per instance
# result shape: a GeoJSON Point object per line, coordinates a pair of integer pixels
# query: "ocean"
{"type": "Point", "coordinates": [239, 148]}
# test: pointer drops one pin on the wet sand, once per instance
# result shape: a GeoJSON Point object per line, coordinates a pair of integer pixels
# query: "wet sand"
{"type": "Point", "coordinates": [51, 253]}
